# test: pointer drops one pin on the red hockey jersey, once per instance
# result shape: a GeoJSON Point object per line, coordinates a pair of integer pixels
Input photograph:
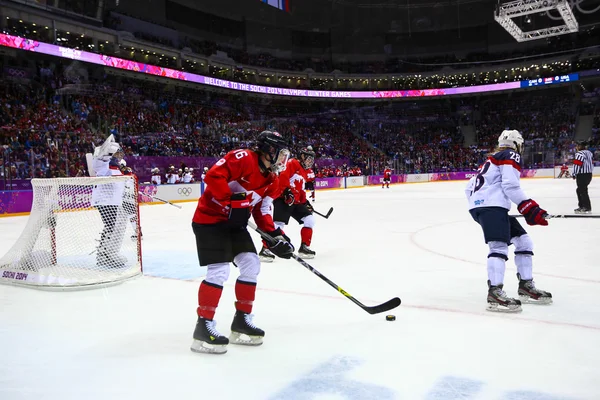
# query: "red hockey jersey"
{"type": "Point", "coordinates": [294, 177]}
{"type": "Point", "coordinates": [387, 174]}
{"type": "Point", "coordinates": [237, 172]}
{"type": "Point", "coordinates": [310, 175]}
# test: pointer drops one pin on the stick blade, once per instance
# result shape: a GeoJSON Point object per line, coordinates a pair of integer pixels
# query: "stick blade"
{"type": "Point", "coordinates": [329, 212]}
{"type": "Point", "coordinates": [387, 306]}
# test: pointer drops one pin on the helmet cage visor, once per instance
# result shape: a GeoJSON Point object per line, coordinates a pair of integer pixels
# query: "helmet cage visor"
{"type": "Point", "coordinates": [279, 160]}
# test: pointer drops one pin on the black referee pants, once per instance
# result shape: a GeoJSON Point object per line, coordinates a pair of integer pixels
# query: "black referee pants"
{"type": "Point", "coordinates": [583, 181]}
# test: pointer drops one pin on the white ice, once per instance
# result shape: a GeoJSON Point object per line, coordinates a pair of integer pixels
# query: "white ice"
{"type": "Point", "coordinates": [415, 241]}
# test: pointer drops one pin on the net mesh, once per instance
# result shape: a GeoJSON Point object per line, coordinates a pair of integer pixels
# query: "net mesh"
{"type": "Point", "coordinates": [81, 232]}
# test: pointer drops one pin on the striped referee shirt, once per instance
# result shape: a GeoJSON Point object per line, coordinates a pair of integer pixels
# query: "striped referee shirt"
{"type": "Point", "coordinates": [583, 164]}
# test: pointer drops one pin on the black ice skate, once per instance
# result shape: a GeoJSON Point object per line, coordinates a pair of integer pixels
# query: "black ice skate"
{"type": "Point", "coordinates": [306, 252]}
{"type": "Point", "coordinates": [243, 330]}
{"type": "Point", "coordinates": [529, 294]}
{"type": "Point", "coordinates": [265, 255]}
{"type": "Point", "coordinates": [207, 339]}
{"type": "Point", "coordinates": [498, 301]}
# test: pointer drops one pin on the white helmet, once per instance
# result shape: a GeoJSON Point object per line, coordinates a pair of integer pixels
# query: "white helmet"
{"type": "Point", "coordinates": [123, 163]}
{"type": "Point", "coordinates": [205, 168]}
{"type": "Point", "coordinates": [191, 169]}
{"type": "Point", "coordinates": [512, 139]}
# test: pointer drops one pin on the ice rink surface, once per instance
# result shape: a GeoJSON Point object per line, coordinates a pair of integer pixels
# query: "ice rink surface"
{"type": "Point", "coordinates": [415, 241]}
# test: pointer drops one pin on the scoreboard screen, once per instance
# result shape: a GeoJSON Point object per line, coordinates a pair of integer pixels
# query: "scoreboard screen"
{"type": "Point", "coordinates": [281, 4]}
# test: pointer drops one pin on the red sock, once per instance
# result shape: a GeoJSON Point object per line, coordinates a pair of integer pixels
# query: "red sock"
{"type": "Point", "coordinates": [209, 295]}
{"type": "Point", "coordinates": [306, 235]}
{"type": "Point", "coordinates": [244, 293]}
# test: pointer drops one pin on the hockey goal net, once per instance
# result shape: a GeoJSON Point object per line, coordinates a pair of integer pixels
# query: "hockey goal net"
{"type": "Point", "coordinates": [562, 172]}
{"type": "Point", "coordinates": [81, 232]}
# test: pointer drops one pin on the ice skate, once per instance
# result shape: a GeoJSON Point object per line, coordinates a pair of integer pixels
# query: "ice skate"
{"type": "Point", "coordinates": [529, 294]}
{"type": "Point", "coordinates": [498, 301]}
{"type": "Point", "coordinates": [582, 210]}
{"type": "Point", "coordinates": [244, 332]}
{"type": "Point", "coordinates": [266, 256]}
{"type": "Point", "coordinates": [207, 339]}
{"type": "Point", "coordinates": [306, 252]}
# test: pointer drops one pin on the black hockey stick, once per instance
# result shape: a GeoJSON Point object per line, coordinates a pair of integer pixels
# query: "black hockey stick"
{"type": "Point", "coordinates": [326, 216]}
{"type": "Point", "coordinates": [161, 200]}
{"type": "Point", "coordinates": [564, 216]}
{"type": "Point", "coordinates": [388, 305]}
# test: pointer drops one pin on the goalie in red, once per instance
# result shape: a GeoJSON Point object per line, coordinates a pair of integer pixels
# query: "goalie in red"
{"type": "Point", "coordinates": [564, 171]}
{"type": "Point", "coordinates": [236, 184]}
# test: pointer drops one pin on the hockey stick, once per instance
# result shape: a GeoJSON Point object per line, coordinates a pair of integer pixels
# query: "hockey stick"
{"type": "Point", "coordinates": [164, 201]}
{"type": "Point", "coordinates": [563, 216]}
{"type": "Point", "coordinates": [326, 216]}
{"type": "Point", "coordinates": [388, 305]}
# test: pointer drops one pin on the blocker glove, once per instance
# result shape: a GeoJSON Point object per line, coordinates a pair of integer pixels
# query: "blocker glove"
{"type": "Point", "coordinates": [281, 245]}
{"type": "Point", "coordinates": [309, 206]}
{"type": "Point", "coordinates": [532, 212]}
{"type": "Point", "coordinates": [288, 196]}
{"type": "Point", "coordinates": [239, 210]}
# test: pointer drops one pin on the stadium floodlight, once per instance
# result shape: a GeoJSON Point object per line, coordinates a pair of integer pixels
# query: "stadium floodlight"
{"type": "Point", "coordinates": [507, 11]}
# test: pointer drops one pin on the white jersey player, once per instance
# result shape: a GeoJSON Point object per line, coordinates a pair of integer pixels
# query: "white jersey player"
{"type": "Point", "coordinates": [171, 176]}
{"type": "Point", "coordinates": [156, 178]}
{"type": "Point", "coordinates": [204, 173]}
{"type": "Point", "coordinates": [188, 176]}
{"type": "Point", "coordinates": [490, 194]}
{"type": "Point", "coordinates": [108, 199]}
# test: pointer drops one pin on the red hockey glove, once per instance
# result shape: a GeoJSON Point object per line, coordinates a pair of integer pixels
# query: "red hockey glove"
{"type": "Point", "coordinates": [239, 211]}
{"type": "Point", "coordinates": [288, 196]}
{"type": "Point", "coordinates": [280, 246]}
{"type": "Point", "coordinates": [534, 215]}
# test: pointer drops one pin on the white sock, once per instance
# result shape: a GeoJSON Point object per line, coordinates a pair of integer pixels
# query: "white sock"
{"type": "Point", "coordinates": [496, 267]}
{"type": "Point", "coordinates": [524, 265]}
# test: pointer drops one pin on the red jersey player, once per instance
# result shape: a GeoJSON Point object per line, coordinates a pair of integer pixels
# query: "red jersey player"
{"type": "Point", "coordinates": [310, 181]}
{"type": "Point", "coordinates": [292, 202]}
{"type": "Point", "coordinates": [235, 185]}
{"type": "Point", "coordinates": [387, 177]}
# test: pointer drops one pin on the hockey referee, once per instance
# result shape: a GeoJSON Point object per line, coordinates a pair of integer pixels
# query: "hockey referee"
{"type": "Point", "coordinates": [583, 167]}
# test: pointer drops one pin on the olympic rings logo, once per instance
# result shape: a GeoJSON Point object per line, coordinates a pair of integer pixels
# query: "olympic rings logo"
{"type": "Point", "coordinates": [185, 191]}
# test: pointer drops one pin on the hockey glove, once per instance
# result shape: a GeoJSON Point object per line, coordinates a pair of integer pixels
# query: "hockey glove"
{"type": "Point", "coordinates": [309, 206]}
{"type": "Point", "coordinates": [239, 211]}
{"type": "Point", "coordinates": [288, 196]}
{"type": "Point", "coordinates": [280, 246]}
{"type": "Point", "coordinates": [532, 212]}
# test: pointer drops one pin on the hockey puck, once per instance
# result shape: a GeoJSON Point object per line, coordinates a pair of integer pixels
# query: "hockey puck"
{"type": "Point", "coordinates": [390, 317]}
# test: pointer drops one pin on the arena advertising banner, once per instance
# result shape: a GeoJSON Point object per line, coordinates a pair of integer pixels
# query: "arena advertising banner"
{"type": "Point", "coordinates": [329, 183]}
{"type": "Point", "coordinates": [16, 184]}
{"type": "Point", "coordinates": [16, 42]}
{"type": "Point", "coordinates": [378, 179]}
{"type": "Point", "coordinates": [354, 181]}
{"type": "Point", "coordinates": [14, 202]}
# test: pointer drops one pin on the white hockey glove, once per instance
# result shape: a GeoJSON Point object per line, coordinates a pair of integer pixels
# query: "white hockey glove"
{"type": "Point", "coordinates": [108, 148]}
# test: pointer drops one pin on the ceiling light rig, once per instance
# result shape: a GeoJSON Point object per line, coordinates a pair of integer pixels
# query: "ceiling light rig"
{"type": "Point", "coordinates": [507, 11]}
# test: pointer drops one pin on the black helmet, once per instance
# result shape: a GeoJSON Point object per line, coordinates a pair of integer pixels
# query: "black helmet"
{"type": "Point", "coordinates": [275, 149]}
{"type": "Point", "coordinates": [307, 157]}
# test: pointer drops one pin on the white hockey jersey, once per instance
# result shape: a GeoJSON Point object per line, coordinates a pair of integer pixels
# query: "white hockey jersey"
{"type": "Point", "coordinates": [156, 179]}
{"type": "Point", "coordinates": [110, 193]}
{"type": "Point", "coordinates": [172, 178]}
{"type": "Point", "coordinates": [498, 182]}
{"type": "Point", "coordinates": [188, 178]}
